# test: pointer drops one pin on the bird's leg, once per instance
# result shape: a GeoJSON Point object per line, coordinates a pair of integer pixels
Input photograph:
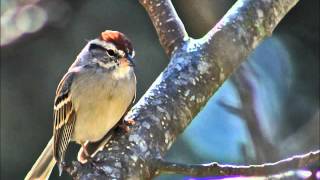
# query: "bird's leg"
{"type": "Point", "coordinates": [83, 154]}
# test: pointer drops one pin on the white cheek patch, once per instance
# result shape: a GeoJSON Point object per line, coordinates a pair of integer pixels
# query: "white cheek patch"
{"type": "Point", "coordinates": [104, 65]}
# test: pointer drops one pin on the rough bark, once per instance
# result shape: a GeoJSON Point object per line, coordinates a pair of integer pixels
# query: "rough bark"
{"type": "Point", "coordinates": [168, 25]}
{"type": "Point", "coordinates": [196, 70]}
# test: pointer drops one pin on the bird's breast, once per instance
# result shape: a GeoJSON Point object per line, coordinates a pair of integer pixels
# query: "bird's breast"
{"type": "Point", "coordinates": [100, 101]}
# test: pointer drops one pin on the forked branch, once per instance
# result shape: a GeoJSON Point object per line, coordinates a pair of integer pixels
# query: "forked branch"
{"type": "Point", "coordinates": [196, 69]}
{"type": "Point", "coordinates": [247, 92]}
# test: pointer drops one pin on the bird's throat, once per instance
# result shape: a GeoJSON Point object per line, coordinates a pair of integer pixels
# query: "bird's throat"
{"type": "Point", "coordinates": [122, 72]}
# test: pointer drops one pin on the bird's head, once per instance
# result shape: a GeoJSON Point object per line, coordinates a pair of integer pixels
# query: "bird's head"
{"type": "Point", "coordinates": [111, 51]}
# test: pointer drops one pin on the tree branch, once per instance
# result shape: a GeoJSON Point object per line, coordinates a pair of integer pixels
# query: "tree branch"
{"type": "Point", "coordinates": [196, 69]}
{"type": "Point", "coordinates": [215, 169]}
{"type": "Point", "coordinates": [237, 111]}
{"type": "Point", "coordinates": [243, 27]}
{"type": "Point", "coordinates": [168, 25]}
{"type": "Point", "coordinates": [264, 149]}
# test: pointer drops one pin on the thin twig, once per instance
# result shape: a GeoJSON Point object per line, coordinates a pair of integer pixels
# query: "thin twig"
{"type": "Point", "coordinates": [215, 169]}
{"type": "Point", "coordinates": [264, 149]}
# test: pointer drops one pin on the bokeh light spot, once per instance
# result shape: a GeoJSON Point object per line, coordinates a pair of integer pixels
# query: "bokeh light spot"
{"type": "Point", "coordinates": [30, 19]}
{"type": "Point", "coordinates": [303, 174]}
{"type": "Point", "coordinates": [20, 20]}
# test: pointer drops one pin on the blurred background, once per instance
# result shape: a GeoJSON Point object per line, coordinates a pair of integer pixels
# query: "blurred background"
{"type": "Point", "coordinates": [268, 110]}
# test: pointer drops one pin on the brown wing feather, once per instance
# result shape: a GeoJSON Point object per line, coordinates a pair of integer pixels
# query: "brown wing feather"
{"type": "Point", "coordinates": [64, 117]}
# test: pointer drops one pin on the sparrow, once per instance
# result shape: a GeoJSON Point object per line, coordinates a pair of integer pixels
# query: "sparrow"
{"type": "Point", "coordinates": [91, 98]}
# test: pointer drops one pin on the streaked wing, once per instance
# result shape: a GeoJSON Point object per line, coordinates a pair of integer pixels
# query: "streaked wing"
{"type": "Point", "coordinates": [64, 117]}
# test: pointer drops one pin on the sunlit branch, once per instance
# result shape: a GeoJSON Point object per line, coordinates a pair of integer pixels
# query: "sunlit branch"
{"type": "Point", "coordinates": [243, 27]}
{"type": "Point", "coordinates": [216, 169]}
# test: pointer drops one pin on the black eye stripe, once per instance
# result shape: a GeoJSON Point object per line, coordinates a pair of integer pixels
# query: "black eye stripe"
{"type": "Point", "coordinates": [101, 48]}
{"type": "Point", "coordinates": [96, 47]}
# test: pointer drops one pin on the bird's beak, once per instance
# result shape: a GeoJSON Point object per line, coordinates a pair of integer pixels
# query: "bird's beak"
{"type": "Point", "coordinates": [126, 62]}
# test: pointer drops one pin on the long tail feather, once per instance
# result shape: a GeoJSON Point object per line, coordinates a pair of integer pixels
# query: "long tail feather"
{"type": "Point", "coordinates": [42, 168]}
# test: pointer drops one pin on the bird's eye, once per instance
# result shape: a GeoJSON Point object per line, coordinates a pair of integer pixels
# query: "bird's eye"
{"type": "Point", "coordinates": [111, 52]}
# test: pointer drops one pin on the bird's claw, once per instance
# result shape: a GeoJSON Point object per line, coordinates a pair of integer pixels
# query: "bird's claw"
{"type": "Point", "coordinates": [130, 122]}
{"type": "Point", "coordinates": [124, 127]}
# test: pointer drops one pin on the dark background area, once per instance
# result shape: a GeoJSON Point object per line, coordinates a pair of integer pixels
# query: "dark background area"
{"type": "Point", "coordinates": [40, 39]}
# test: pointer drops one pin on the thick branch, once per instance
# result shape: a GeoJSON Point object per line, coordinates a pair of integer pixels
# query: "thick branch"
{"type": "Point", "coordinates": [194, 73]}
{"type": "Point", "coordinates": [215, 169]}
{"type": "Point", "coordinates": [244, 26]}
{"type": "Point", "coordinates": [168, 25]}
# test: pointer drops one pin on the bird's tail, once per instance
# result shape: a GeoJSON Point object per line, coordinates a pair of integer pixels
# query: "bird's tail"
{"type": "Point", "coordinates": [42, 168]}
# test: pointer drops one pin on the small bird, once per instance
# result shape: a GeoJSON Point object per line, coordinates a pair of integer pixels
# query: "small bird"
{"type": "Point", "coordinates": [91, 98]}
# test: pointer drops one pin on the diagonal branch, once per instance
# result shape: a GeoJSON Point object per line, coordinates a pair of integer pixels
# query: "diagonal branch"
{"type": "Point", "coordinates": [168, 25]}
{"type": "Point", "coordinates": [196, 69]}
{"type": "Point", "coordinates": [244, 26]}
{"type": "Point", "coordinates": [264, 149]}
{"type": "Point", "coordinates": [215, 169]}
